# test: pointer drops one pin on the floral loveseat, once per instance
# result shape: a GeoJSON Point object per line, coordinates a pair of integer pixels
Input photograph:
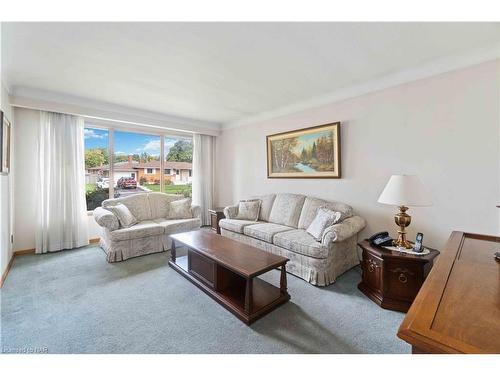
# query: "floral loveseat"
{"type": "Point", "coordinates": [281, 229]}
{"type": "Point", "coordinates": [156, 220]}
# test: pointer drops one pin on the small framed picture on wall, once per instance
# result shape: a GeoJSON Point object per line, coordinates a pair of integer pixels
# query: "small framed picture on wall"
{"type": "Point", "coordinates": [4, 144]}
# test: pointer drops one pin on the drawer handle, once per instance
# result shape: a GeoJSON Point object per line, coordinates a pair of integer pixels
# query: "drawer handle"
{"type": "Point", "coordinates": [402, 278]}
{"type": "Point", "coordinates": [372, 265]}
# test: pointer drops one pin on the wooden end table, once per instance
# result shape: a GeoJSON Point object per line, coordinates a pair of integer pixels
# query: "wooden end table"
{"type": "Point", "coordinates": [216, 214]}
{"type": "Point", "coordinates": [392, 279]}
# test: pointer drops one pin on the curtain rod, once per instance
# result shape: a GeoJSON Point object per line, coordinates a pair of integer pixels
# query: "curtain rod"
{"type": "Point", "coordinates": [118, 118]}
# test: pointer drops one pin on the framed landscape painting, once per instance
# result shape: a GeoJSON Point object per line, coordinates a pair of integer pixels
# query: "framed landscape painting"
{"type": "Point", "coordinates": [305, 153]}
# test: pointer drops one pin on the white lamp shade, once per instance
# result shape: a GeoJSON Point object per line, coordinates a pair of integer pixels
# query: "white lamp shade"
{"type": "Point", "coordinates": [405, 190]}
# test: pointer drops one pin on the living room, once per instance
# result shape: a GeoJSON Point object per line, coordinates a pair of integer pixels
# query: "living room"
{"type": "Point", "coordinates": [250, 188]}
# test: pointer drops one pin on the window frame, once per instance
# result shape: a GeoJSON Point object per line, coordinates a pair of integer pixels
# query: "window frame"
{"type": "Point", "coordinates": [111, 149]}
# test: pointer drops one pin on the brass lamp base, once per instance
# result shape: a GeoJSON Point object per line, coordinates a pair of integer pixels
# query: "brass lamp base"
{"type": "Point", "coordinates": [402, 220]}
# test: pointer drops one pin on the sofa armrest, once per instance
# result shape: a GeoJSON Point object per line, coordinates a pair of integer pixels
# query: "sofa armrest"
{"type": "Point", "coordinates": [231, 212]}
{"type": "Point", "coordinates": [106, 219]}
{"type": "Point", "coordinates": [344, 230]}
{"type": "Point", "coordinates": [196, 210]}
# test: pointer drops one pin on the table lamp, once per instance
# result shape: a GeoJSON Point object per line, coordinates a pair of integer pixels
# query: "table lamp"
{"type": "Point", "coordinates": [404, 191]}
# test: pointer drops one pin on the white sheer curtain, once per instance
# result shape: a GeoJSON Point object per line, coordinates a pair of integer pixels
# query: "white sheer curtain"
{"type": "Point", "coordinates": [203, 174]}
{"type": "Point", "coordinates": [60, 183]}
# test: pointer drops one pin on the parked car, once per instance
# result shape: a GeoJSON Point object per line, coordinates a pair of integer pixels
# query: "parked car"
{"type": "Point", "coordinates": [127, 183]}
{"type": "Point", "coordinates": [103, 183]}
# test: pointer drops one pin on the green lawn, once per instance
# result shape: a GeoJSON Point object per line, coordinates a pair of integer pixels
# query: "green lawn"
{"type": "Point", "coordinates": [169, 189]}
{"type": "Point", "coordinates": [172, 189]}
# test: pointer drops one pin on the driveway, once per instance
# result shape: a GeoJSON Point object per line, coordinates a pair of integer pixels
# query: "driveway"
{"type": "Point", "coordinates": [127, 192]}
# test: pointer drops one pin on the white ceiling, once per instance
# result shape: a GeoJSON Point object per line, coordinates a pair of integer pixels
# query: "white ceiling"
{"type": "Point", "coordinates": [222, 72]}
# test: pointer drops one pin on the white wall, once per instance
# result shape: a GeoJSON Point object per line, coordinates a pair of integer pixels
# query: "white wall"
{"type": "Point", "coordinates": [25, 139]}
{"type": "Point", "coordinates": [444, 128]}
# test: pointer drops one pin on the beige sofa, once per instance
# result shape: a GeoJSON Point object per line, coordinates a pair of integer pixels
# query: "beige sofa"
{"type": "Point", "coordinates": [150, 234]}
{"type": "Point", "coordinates": [281, 229]}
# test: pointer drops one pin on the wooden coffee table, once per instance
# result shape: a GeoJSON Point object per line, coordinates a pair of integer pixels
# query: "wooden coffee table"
{"type": "Point", "coordinates": [227, 271]}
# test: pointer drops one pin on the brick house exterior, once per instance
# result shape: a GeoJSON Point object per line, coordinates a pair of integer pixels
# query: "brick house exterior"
{"type": "Point", "coordinates": [146, 172]}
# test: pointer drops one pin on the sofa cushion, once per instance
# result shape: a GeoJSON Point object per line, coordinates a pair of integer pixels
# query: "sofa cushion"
{"type": "Point", "coordinates": [324, 219]}
{"type": "Point", "coordinates": [265, 231]}
{"type": "Point", "coordinates": [311, 206]}
{"type": "Point", "coordinates": [235, 225]}
{"type": "Point", "coordinates": [286, 209]}
{"type": "Point", "coordinates": [178, 225]}
{"type": "Point", "coordinates": [180, 209]}
{"type": "Point", "coordinates": [265, 206]}
{"type": "Point", "coordinates": [138, 204]}
{"type": "Point", "coordinates": [159, 203]}
{"type": "Point", "coordinates": [123, 214]}
{"type": "Point", "coordinates": [248, 209]}
{"type": "Point", "coordinates": [301, 242]}
{"type": "Point", "coordinates": [142, 229]}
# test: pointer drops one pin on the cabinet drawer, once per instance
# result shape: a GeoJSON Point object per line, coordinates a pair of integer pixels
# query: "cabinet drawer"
{"type": "Point", "coordinates": [202, 268]}
{"type": "Point", "coordinates": [372, 272]}
{"type": "Point", "coordinates": [402, 280]}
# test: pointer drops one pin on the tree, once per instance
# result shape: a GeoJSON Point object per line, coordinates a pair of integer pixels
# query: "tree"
{"type": "Point", "coordinates": [284, 155]}
{"type": "Point", "coordinates": [182, 150]}
{"type": "Point", "coordinates": [313, 151]}
{"type": "Point", "coordinates": [303, 155]}
{"type": "Point", "coordinates": [95, 157]}
{"type": "Point", "coordinates": [145, 157]}
{"type": "Point", "coordinates": [324, 151]}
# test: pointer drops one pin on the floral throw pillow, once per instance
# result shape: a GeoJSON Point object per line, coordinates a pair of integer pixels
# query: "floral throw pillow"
{"type": "Point", "coordinates": [123, 214]}
{"type": "Point", "coordinates": [324, 218]}
{"type": "Point", "coordinates": [180, 209]}
{"type": "Point", "coordinates": [249, 210]}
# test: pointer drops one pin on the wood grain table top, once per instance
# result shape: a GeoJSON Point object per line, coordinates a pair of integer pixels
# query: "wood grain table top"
{"type": "Point", "coordinates": [241, 258]}
{"type": "Point", "coordinates": [458, 308]}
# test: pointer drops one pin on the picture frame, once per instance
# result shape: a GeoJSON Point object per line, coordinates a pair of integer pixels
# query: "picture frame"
{"type": "Point", "coordinates": [5, 139]}
{"type": "Point", "coordinates": [312, 152]}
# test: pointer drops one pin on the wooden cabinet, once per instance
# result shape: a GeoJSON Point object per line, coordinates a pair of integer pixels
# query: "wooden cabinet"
{"type": "Point", "coordinates": [372, 272]}
{"type": "Point", "coordinates": [216, 214]}
{"type": "Point", "coordinates": [392, 279]}
{"type": "Point", "coordinates": [458, 308]}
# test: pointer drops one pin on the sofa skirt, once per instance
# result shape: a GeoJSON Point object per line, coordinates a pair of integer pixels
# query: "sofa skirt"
{"type": "Point", "coordinates": [320, 272]}
{"type": "Point", "coordinates": [117, 251]}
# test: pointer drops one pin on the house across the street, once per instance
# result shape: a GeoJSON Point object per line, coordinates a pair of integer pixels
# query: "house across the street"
{"type": "Point", "coordinates": [143, 172]}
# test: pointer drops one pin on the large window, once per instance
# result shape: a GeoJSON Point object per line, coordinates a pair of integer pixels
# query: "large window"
{"type": "Point", "coordinates": [96, 166]}
{"type": "Point", "coordinates": [136, 163]}
{"type": "Point", "coordinates": [178, 165]}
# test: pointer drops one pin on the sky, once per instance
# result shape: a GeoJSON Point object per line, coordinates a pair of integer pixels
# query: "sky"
{"type": "Point", "coordinates": [307, 140]}
{"type": "Point", "coordinates": [127, 143]}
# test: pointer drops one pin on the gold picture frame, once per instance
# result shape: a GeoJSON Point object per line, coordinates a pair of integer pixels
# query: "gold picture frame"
{"type": "Point", "coordinates": [5, 135]}
{"type": "Point", "coordinates": [305, 153]}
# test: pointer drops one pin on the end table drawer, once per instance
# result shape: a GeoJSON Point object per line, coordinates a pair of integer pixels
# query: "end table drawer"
{"type": "Point", "coordinates": [402, 281]}
{"type": "Point", "coordinates": [372, 271]}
